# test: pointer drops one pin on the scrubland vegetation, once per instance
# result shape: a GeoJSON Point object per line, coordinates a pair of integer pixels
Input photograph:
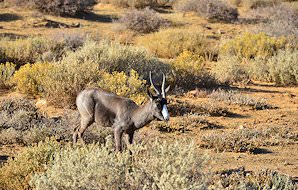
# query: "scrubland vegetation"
{"type": "Point", "coordinates": [233, 70]}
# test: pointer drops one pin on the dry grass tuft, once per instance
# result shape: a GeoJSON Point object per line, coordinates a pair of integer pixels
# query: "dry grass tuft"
{"type": "Point", "coordinates": [233, 97]}
{"type": "Point", "coordinates": [242, 179]}
{"type": "Point", "coordinates": [249, 140]}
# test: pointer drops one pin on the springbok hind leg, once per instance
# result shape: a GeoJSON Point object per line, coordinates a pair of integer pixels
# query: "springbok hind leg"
{"type": "Point", "coordinates": [85, 123]}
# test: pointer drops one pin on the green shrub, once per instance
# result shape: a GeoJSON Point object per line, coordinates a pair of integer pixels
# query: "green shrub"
{"type": "Point", "coordinates": [283, 68]}
{"type": "Point", "coordinates": [22, 51]}
{"type": "Point", "coordinates": [61, 82]}
{"type": "Point", "coordinates": [250, 46]}
{"type": "Point", "coordinates": [280, 69]}
{"type": "Point", "coordinates": [230, 69]}
{"type": "Point", "coordinates": [170, 43]}
{"type": "Point", "coordinates": [17, 172]}
{"type": "Point", "coordinates": [112, 56]}
{"type": "Point", "coordinates": [189, 71]}
{"type": "Point", "coordinates": [33, 49]}
{"type": "Point", "coordinates": [7, 70]}
{"type": "Point", "coordinates": [150, 166]}
{"type": "Point", "coordinates": [65, 80]}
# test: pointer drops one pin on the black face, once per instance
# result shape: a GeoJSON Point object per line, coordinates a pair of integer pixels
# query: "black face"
{"type": "Point", "coordinates": [160, 108]}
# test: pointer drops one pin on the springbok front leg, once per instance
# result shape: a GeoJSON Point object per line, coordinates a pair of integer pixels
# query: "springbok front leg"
{"type": "Point", "coordinates": [118, 133]}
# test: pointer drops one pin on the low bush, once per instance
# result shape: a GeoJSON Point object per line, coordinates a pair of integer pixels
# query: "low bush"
{"type": "Point", "coordinates": [249, 140]}
{"type": "Point", "coordinates": [23, 124]}
{"type": "Point", "coordinates": [20, 114]}
{"type": "Point", "coordinates": [280, 69]}
{"type": "Point", "coordinates": [140, 3]}
{"type": "Point", "coordinates": [123, 85]}
{"type": "Point", "coordinates": [242, 179]}
{"type": "Point", "coordinates": [58, 7]}
{"type": "Point", "coordinates": [213, 10]}
{"type": "Point", "coordinates": [170, 43]}
{"type": "Point", "coordinates": [143, 21]}
{"type": "Point", "coordinates": [17, 172]}
{"type": "Point", "coordinates": [254, 4]}
{"type": "Point", "coordinates": [234, 97]}
{"type": "Point", "coordinates": [7, 70]}
{"type": "Point", "coordinates": [112, 56]}
{"type": "Point", "coordinates": [282, 20]}
{"type": "Point", "coordinates": [33, 49]}
{"type": "Point", "coordinates": [189, 72]}
{"type": "Point", "coordinates": [60, 43]}
{"type": "Point", "coordinates": [185, 124]}
{"type": "Point", "coordinates": [182, 108]}
{"type": "Point", "coordinates": [60, 83]}
{"type": "Point", "coordinates": [250, 46]}
{"type": "Point", "coordinates": [230, 69]}
{"type": "Point", "coordinates": [29, 78]}
{"type": "Point", "coordinates": [283, 68]}
{"type": "Point", "coordinates": [22, 51]}
{"type": "Point", "coordinates": [152, 165]}
{"type": "Point", "coordinates": [65, 80]}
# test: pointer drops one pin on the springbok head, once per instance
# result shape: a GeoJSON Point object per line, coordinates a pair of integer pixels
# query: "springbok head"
{"type": "Point", "coordinates": [159, 101]}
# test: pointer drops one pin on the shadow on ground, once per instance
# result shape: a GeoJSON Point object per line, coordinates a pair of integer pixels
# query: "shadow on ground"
{"type": "Point", "coordinates": [3, 159]}
{"type": "Point", "coordinates": [7, 17]}
{"type": "Point", "coordinates": [262, 151]}
{"type": "Point", "coordinates": [90, 16]}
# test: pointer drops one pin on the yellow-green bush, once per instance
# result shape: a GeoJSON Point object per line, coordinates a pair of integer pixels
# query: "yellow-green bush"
{"type": "Point", "coordinates": [112, 56]}
{"type": "Point", "coordinates": [123, 85]}
{"type": "Point", "coordinates": [6, 72]}
{"type": "Point", "coordinates": [170, 43]}
{"type": "Point", "coordinates": [250, 45]}
{"type": "Point", "coordinates": [189, 72]}
{"type": "Point", "coordinates": [22, 51]}
{"type": "Point", "coordinates": [231, 69]}
{"type": "Point", "coordinates": [17, 172]}
{"type": "Point", "coordinates": [64, 81]}
{"type": "Point", "coordinates": [155, 165]}
{"type": "Point", "coordinates": [33, 49]}
{"type": "Point", "coordinates": [283, 68]}
{"type": "Point", "coordinates": [29, 78]}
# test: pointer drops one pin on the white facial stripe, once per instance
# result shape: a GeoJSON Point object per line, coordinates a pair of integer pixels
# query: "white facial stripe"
{"type": "Point", "coordinates": [165, 112]}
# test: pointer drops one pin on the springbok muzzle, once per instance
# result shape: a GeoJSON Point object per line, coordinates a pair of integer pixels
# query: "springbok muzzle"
{"type": "Point", "coordinates": [165, 113]}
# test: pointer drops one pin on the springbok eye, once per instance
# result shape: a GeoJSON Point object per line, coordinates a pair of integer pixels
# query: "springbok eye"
{"type": "Point", "coordinates": [158, 104]}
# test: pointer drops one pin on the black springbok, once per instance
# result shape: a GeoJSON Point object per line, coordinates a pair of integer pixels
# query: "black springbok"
{"type": "Point", "coordinates": [122, 114]}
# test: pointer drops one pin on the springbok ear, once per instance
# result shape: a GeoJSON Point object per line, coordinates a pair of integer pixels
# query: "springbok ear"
{"type": "Point", "coordinates": [149, 93]}
{"type": "Point", "coordinates": [168, 88]}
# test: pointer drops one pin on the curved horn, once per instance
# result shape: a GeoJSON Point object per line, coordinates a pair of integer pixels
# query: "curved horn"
{"type": "Point", "coordinates": [163, 85]}
{"type": "Point", "coordinates": [156, 90]}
